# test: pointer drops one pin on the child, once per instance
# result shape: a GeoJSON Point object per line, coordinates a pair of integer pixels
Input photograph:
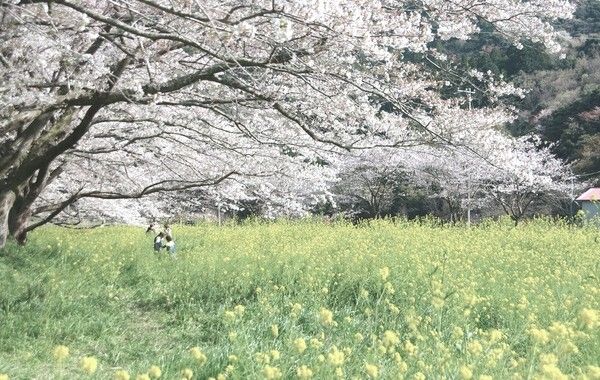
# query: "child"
{"type": "Point", "coordinates": [153, 227]}
{"type": "Point", "coordinates": [158, 242]}
{"type": "Point", "coordinates": [170, 246]}
{"type": "Point", "coordinates": [168, 231]}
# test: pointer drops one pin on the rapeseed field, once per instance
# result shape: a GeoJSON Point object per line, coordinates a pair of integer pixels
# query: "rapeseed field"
{"type": "Point", "coordinates": [302, 300]}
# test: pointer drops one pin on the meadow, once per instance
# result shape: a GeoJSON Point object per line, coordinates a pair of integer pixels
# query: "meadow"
{"type": "Point", "coordinates": [304, 299]}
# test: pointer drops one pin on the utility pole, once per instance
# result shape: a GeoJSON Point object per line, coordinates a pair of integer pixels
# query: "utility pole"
{"type": "Point", "coordinates": [469, 93]}
{"type": "Point", "coordinates": [469, 201]}
{"type": "Point", "coordinates": [219, 204]}
{"type": "Point", "coordinates": [572, 178]}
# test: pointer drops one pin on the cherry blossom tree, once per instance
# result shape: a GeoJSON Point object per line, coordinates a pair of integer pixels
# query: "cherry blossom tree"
{"type": "Point", "coordinates": [123, 99]}
{"type": "Point", "coordinates": [368, 181]}
{"type": "Point", "coordinates": [483, 165]}
{"type": "Point", "coordinates": [513, 173]}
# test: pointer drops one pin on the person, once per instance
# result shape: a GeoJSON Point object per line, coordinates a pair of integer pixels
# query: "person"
{"type": "Point", "coordinates": [168, 231]}
{"type": "Point", "coordinates": [153, 227]}
{"type": "Point", "coordinates": [170, 245]}
{"type": "Point", "coordinates": [158, 242]}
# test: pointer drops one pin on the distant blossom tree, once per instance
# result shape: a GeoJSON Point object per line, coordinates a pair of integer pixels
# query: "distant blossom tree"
{"type": "Point", "coordinates": [513, 173]}
{"type": "Point", "coordinates": [124, 99]}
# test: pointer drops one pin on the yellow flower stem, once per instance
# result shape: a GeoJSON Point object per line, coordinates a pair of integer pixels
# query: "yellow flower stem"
{"type": "Point", "coordinates": [531, 361]}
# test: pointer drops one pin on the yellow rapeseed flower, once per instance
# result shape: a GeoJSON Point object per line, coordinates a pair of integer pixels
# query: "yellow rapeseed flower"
{"type": "Point", "coordinates": [300, 345]}
{"type": "Point", "coordinates": [198, 355]}
{"type": "Point", "coordinates": [154, 372]}
{"type": "Point", "coordinates": [390, 339]}
{"type": "Point", "coordinates": [548, 359]}
{"type": "Point", "coordinates": [567, 347]}
{"type": "Point", "coordinates": [559, 330]}
{"type": "Point", "coordinates": [336, 357]}
{"type": "Point", "coordinates": [121, 375]}
{"type": "Point", "coordinates": [142, 376]}
{"type": "Point", "coordinates": [549, 369]}
{"type": "Point", "coordinates": [271, 373]}
{"type": "Point", "coordinates": [89, 364]}
{"type": "Point", "coordinates": [263, 358]}
{"type": "Point", "coordinates": [539, 336]}
{"type": "Point", "coordinates": [187, 373]}
{"type": "Point", "coordinates": [402, 366]}
{"type": "Point", "coordinates": [457, 333]}
{"type": "Point", "coordinates": [239, 310]}
{"type": "Point", "coordinates": [363, 294]}
{"type": "Point", "coordinates": [437, 302]}
{"type": "Point", "coordinates": [61, 352]}
{"type": "Point", "coordinates": [275, 330]}
{"type": "Point", "coordinates": [384, 273]}
{"type": "Point", "coordinates": [325, 316]}
{"type": "Point", "coordinates": [232, 358]}
{"type": "Point", "coordinates": [3, 376]}
{"type": "Point", "coordinates": [275, 355]}
{"type": "Point", "coordinates": [316, 343]}
{"type": "Point", "coordinates": [475, 348]}
{"type": "Point", "coordinates": [372, 370]}
{"type": "Point", "coordinates": [593, 372]}
{"type": "Point", "coordinates": [389, 288]}
{"type": "Point", "coordinates": [232, 335]}
{"type": "Point", "coordinates": [229, 316]}
{"type": "Point", "coordinates": [465, 372]}
{"type": "Point", "coordinates": [394, 309]}
{"type": "Point", "coordinates": [495, 335]}
{"type": "Point", "coordinates": [397, 357]}
{"type": "Point", "coordinates": [304, 373]}
{"type": "Point", "coordinates": [588, 318]}
{"type": "Point", "coordinates": [296, 309]}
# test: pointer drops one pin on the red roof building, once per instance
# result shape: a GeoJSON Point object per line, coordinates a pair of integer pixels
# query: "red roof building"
{"type": "Point", "coordinates": [592, 194]}
{"type": "Point", "coordinates": [590, 205]}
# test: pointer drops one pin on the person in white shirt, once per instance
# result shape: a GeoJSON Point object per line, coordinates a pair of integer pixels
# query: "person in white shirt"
{"type": "Point", "coordinates": [158, 242]}
{"type": "Point", "coordinates": [170, 246]}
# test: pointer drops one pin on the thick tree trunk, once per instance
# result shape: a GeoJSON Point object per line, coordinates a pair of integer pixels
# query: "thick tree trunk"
{"type": "Point", "coordinates": [16, 204]}
{"type": "Point", "coordinates": [18, 218]}
{"type": "Point", "coordinates": [7, 199]}
{"type": "Point", "coordinates": [15, 211]}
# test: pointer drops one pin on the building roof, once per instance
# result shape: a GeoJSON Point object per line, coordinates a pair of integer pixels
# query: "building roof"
{"type": "Point", "coordinates": [592, 194]}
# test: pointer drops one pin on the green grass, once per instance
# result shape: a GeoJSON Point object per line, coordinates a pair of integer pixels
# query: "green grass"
{"type": "Point", "coordinates": [461, 297]}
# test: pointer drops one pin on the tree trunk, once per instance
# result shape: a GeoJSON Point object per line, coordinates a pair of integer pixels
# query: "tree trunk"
{"type": "Point", "coordinates": [18, 218]}
{"type": "Point", "coordinates": [15, 211]}
{"type": "Point", "coordinates": [7, 199]}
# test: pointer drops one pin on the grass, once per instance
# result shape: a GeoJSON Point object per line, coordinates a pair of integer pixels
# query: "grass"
{"type": "Point", "coordinates": [406, 300]}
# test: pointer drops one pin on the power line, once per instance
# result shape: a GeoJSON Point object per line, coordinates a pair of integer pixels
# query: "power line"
{"type": "Point", "coordinates": [584, 174]}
